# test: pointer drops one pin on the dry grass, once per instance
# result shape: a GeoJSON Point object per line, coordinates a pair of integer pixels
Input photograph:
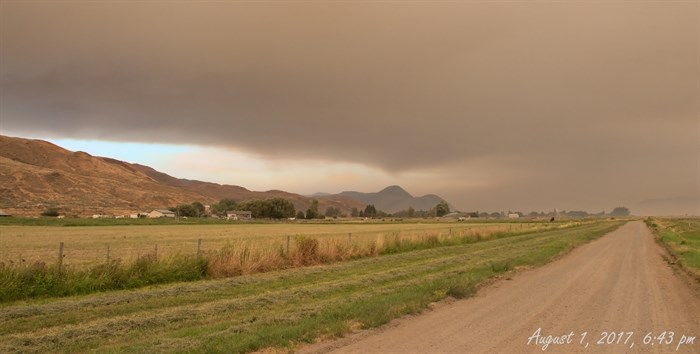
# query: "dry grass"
{"type": "Point", "coordinates": [88, 246]}
{"type": "Point", "coordinates": [241, 257]}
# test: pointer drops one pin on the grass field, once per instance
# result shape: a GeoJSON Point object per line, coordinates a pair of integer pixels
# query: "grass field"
{"type": "Point", "coordinates": [681, 237]}
{"type": "Point", "coordinates": [88, 245]}
{"type": "Point", "coordinates": [277, 309]}
{"type": "Point", "coordinates": [164, 253]}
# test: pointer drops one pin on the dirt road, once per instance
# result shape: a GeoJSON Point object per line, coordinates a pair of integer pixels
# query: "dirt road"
{"type": "Point", "coordinates": [619, 283]}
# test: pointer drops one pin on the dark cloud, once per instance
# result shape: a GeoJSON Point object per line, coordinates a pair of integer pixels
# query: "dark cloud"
{"type": "Point", "coordinates": [592, 103]}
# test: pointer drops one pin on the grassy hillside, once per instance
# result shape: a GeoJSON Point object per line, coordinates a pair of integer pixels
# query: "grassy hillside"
{"type": "Point", "coordinates": [36, 175]}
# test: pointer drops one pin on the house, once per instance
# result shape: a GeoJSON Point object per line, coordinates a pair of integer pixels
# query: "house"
{"type": "Point", "coordinates": [239, 215]}
{"type": "Point", "coordinates": [161, 213]}
{"type": "Point", "coordinates": [513, 216]}
{"type": "Point", "coordinates": [4, 214]}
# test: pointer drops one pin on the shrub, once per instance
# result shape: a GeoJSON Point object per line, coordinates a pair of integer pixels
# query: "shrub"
{"type": "Point", "coordinates": [501, 267]}
{"type": "Point", "coordinates": [461, 290]}
{"type": "Point", "coordinates": [307, 250]}
{"type": "Point", "coordinates": [50, 212]}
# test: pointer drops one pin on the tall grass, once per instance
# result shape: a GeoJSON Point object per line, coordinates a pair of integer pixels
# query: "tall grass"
{"type": "Point", "coordinates": [24, 281]}
{"type": "Point", "coordinates": [42, 280]}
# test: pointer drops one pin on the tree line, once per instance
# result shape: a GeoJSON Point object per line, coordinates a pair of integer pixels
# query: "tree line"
{"type": "Point", "coordinates": [275, 208]}
{"type": "Point", "coordinates": [280, 208]}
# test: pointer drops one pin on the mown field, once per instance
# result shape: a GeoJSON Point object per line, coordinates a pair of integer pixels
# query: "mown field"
{"type": "Point", "coordinates": [278, 309]}
{"type": "Point", "coordinates": [681, 237]}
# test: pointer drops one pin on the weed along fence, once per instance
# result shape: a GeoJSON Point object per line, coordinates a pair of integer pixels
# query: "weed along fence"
{"type": "Point", "coordinates": [90, 246]}
{"type": "Point", "coordinates": [83, 267]}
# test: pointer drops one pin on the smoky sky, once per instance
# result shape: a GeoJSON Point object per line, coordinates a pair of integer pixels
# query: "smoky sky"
{"type": "Point", "coordinates": [589, 104]}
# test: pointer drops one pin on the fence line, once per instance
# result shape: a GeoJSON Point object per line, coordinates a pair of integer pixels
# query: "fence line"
{"type": "Point", "coordinates": [93, 255]}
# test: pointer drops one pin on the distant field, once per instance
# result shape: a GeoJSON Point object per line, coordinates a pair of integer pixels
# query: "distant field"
{"type": "Point", "coordinates": [89, 245]}
{"type": "Point", "coordinates": [682, 238]}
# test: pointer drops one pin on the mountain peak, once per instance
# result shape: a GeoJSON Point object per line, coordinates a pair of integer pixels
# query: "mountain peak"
{"type": "Point", "coordinates": [395, 190]}
{"type": "Point", "coordinates": [394, 198]}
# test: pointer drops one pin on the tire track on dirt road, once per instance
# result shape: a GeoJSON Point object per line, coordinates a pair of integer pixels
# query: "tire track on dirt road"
{"type": "Point", "coordinates": [617, 284]}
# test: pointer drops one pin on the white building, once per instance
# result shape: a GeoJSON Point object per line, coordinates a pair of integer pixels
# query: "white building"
{"type": "Point", "coordinates": [239, 215]}
{"type": "Point", "coordinates": [161, 213]}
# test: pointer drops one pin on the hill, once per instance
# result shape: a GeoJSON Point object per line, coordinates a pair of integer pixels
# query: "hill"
{"type": "Point", "coordinates": [392, 199]}
{"type": "Point", "coordinates": [35, 175]}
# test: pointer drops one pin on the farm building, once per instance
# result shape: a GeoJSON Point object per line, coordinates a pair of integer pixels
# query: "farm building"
{"type": "Point", "coordinates": [239, 215]}
{"type": "Point", "coordinates": [161, 213]}
{"type": "Point", "coordinates": [3, 214]}
{"type": "Point", "coordinates": [513, 216]}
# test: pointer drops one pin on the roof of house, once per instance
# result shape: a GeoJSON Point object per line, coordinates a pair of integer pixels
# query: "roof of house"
{"type": "Point", "coordinates": [164, 211]}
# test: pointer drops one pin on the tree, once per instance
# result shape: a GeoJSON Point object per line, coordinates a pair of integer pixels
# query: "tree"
{"type": "Point", "coordinates": [50, 212]}
{"type": "Point", "coordinates": [411, 212]}
{"type": "Point", "coordinates": [312, 211]}
{"type": "Point", "coordinates": [256, 208]}
{"type": "Point", "coordinates": [332, 212]}
{"type": "Point", "coordinates": [185, 210]}
{"type": "Point", "coordinates": [199, 208]}
{"type": "Point", "coordinates": [278, 208]}
{"type": "Point", "coordinates": [620, 211]}
{"type": "Point", "coordinates": [300, 215]}
{"type": "Point", "coordinates": [275, 208]}
{"type": "Point", "coordinates": [442, 208]}
{"type": "Point", "coordinates": [577, 214]}
{"type": "Point", "coordinates": [370, 211]}
{"type": "Point", "coordinates": [223, 206]}
{"type": "Point", "coordinates": [354, 212]}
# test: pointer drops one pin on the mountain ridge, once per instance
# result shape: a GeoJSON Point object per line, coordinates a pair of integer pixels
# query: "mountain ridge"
{"type": "Point", "coordinates": [37, 174]}
{"type": "Point", "coordinates": [394, 198]}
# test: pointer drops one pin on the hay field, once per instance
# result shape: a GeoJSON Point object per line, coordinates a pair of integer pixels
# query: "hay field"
{"type": "Point", "coordinates": [89, 245]}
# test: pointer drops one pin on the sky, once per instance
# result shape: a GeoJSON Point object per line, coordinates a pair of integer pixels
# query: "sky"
{"type": "Point", "coordinates": [508, 105]}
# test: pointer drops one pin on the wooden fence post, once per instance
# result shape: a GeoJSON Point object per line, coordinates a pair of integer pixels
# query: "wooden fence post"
{"type": "Point", "coordinates": [349, 237]}
{"type": "Point", "coordinates": [289, 237]}
{"type": "Point", "coordinates": [60, 257]}
{"type": "Point", "coordinates": [108, 256]}
{"type": "Point", "coordinates": [155, 253]}
{"type": "Point", "coordinates": [199, 248]}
